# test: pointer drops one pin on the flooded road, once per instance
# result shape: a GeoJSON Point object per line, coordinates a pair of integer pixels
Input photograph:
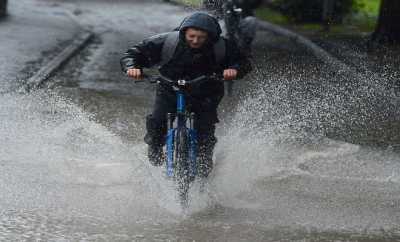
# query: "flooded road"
{"type": "Point", "coordinates": [73, 164]}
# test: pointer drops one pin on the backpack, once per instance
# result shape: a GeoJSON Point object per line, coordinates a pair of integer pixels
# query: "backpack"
{"type": "Point", "coordinates": [172, 40]}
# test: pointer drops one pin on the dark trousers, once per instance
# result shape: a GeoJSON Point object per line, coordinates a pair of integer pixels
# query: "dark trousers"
{"type": "Point", "coordinates": [205, 108]}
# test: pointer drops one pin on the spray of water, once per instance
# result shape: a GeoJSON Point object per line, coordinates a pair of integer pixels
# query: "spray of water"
{"type": "Point", "coordinates": [274, 153]}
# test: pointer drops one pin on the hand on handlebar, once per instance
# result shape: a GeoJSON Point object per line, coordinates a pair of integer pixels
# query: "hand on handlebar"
{"type": "Point", "coordinates": [230, 74]}
{"type": "Point", "coordinates": [135, 73]}
{"type": "Point", "coordinates": [139, 76]}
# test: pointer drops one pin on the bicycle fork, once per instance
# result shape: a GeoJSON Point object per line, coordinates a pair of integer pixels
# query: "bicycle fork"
{"type": "Point", "coordinates": [170, 145]}
{"type": "Point", "coordinates": [191, 137]}
{"type": "Point", "coordinates": [192, 147]}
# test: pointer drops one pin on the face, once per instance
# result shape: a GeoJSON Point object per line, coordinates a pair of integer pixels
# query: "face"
{"type": "Point", "coordinates": [196, 38]}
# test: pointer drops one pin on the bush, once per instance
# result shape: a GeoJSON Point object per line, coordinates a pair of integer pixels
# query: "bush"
{"type": "Point", "coordinates": [311, 10]}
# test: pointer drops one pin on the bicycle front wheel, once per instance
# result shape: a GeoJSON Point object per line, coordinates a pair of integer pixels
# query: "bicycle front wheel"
{"type": "Point", "coordinates": [182, 164]}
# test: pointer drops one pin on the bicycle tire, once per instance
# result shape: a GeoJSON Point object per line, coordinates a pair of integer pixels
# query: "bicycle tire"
{"type": "Point", "coordinates": [182, 164]}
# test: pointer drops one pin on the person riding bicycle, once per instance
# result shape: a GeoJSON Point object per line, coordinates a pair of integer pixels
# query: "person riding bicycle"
{"type": "Point", "coordinates": [248, 6]}
{"type": "Point", "coordinates": [192, 56]}
{"type": "Point", "coordinates": [243, 23]}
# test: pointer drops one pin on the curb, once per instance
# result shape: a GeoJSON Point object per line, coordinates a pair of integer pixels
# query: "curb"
{"type": "Point", "coordinates": [321, 54]}
{"type": "Point", "coordinates": [48, 70]}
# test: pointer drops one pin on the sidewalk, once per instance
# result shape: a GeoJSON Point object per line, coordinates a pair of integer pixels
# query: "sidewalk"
{"type": "Point", "coordinates": [32, 33]}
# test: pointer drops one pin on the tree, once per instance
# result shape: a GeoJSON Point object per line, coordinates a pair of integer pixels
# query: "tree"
{"type": "Point", "coordinates": [3, 7]}
{"type": "Point", "coordinates": [388, 26]}
{"type": "Point", "coordinates": [328, 10]}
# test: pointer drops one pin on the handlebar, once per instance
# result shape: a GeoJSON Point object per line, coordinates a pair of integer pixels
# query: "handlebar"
{"type": "Point", "coordinates": [181, 82]}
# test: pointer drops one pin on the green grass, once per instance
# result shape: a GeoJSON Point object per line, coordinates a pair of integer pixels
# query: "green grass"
{"type": "Point", "coordinates": [370, 7]}
{"type": "Point", "coordinates": [365, 19]}
{"type": "Point", "coordinates": [271, 16]}
{"type": "Point", "coordinates": [192, 3]}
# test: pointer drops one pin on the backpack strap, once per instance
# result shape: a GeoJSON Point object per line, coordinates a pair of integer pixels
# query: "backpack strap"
{"type": "Point", "coordinates": [169, 47]}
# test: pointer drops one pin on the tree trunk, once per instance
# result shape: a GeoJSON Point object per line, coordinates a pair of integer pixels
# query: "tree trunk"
{"type": "Point", "coordinates": [327, 14]}
{"type": "Point", "coordinates": [3, 8]}
{"type": "Point", "coordinates": [388, 26]}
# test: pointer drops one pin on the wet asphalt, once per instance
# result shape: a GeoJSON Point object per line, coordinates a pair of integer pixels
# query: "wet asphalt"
{"type": "Point", "coordinates": [297, 160]}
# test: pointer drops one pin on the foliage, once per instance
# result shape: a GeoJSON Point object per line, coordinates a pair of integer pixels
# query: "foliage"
{"type": "Point", "coordinates": [311, 10]}
{"type": "Point", "coordinates": [369, 7]}
{"type": "Point", "coordinates": [269, 14]}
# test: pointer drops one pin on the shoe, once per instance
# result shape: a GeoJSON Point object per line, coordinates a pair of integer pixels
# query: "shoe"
{"type": "Point", "coordinates": [155, 154]}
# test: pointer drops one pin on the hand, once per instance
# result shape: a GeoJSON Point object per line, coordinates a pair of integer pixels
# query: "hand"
{"type": "Point", "coordinates": [230, 74]}
{"type": "Point", "coordinates": [134, 73]}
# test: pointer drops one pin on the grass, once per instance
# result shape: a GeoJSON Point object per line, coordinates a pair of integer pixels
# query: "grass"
{"type": "Point", "coordinates": [271, 16]}
{"type": "Point", "coordinates": [191, 3]}
{"type": "Point", "coordinates": [370, 7]}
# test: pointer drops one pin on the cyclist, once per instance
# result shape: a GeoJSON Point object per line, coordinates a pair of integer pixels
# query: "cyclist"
{"type": "Point", "coordinates": [194, 53]}
{"type": "Point", "coordinates": [246, 26]}
{"type": "Point", "coordinates": [248, 6]}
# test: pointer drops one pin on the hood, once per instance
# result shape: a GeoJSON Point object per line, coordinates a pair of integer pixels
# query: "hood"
{"type": "Point", "coordinates": [203, 21]}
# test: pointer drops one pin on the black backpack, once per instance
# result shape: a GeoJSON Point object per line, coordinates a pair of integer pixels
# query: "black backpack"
{"type": "Point", "coordinates": [172, 40]}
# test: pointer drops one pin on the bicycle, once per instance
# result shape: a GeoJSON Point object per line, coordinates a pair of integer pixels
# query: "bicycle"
{"type": "Point", "coordinates": [232, 16]}
{"type": "Point", "coordinates": [181, 139]}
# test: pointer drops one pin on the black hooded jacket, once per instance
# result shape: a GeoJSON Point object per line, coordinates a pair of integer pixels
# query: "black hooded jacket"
{"type": "Point", "coordinates": [186, 63]}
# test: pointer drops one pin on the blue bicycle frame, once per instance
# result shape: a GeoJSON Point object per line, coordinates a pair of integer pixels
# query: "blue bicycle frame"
{"type": "Point", "coordinates": [181, 118]}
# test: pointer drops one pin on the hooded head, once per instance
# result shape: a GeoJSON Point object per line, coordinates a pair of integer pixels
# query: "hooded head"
{"type": "Point", "coordinates": [202, 21]}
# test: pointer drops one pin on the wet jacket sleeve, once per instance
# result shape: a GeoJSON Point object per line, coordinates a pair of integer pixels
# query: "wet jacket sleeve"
{"type": "Point", "coordinates": [236, 60]}
{"type": "Point", "coordinates": [145, 54]}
